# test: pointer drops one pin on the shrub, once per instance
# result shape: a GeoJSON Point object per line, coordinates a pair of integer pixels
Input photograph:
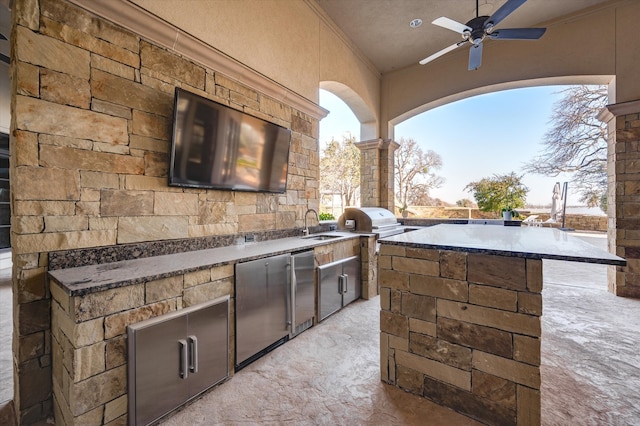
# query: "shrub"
{"type": "Point", "coordinates": [326, 216]}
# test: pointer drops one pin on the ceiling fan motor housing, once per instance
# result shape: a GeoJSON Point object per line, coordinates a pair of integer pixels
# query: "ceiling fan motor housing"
{"type": "Point", "coordinates": [477, 33]}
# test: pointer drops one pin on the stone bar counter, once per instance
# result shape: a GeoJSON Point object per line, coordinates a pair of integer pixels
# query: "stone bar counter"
{"type": "Point", "coordinates": [460, 315]}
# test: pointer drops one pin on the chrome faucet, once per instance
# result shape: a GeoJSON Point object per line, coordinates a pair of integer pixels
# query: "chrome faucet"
{"type": "Point", "coordinates": [306, 228]}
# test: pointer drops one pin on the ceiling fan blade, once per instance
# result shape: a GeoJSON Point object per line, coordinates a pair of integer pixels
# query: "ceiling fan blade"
{"type": "Point", "coordinates": [518, 33]}
{"type": "Point", "coordinates": [450, 24]}
{"type": "Point", "coordinates": [442, 52]}
{"type": "Point", "coordinates": [503, 12]}
{"type": "Point", "coordinates": [475, 56]}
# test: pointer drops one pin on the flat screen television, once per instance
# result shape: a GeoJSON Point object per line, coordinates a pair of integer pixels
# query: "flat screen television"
{"type": "Point", "coordinates": [215, 146]}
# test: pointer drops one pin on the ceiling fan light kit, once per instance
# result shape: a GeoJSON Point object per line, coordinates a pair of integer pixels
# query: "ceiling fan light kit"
{"type": "Point", "coordinates": [477, 29]}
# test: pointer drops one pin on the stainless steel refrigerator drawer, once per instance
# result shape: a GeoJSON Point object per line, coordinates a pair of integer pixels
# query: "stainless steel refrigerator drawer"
{"type": "Point", "coordinates": [263, 314]}
{"type": "Point", "coordinates": [302, 291]}
{"type": "Point", "coordinates": [174, 357]}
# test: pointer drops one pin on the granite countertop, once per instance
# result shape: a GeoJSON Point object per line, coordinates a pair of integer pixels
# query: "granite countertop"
{"type": "Point", "coordinates": [95, 278]}
{"type": "Point", "coordinates": [525, 242]}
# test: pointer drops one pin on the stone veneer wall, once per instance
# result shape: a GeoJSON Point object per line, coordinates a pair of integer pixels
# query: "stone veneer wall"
{"type": "Point", "coordinates": [463, 330]}
{"type": "Point", "coordinates": [369, 173]}
{"type": "Point", "coordinates": [337, 251]}
{"type": "Point", "coordinates": [623, 168]}
{"type": "Point", "coordinates": [376, 173]}
{"type": "Point", "coordinates": [369, 262]}
{"type": "Point", "coordinates": [387, 176]}
{"type": "Point", "coordinates": [624, 199]}
{"type": "Point", "coordinates": [91, 122]}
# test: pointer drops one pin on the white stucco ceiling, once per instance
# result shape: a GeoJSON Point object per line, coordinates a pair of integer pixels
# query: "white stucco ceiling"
{"type": "Point", "coordinates": [380, 28]}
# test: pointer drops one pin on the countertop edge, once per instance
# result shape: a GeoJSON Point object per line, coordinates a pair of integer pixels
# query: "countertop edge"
{"type": "Point", "coordinates": [509, 253]}
{"type": "Point", "coordinates": [80, 287]}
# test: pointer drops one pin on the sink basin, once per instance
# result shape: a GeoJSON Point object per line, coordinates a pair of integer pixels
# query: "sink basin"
{"type": "Point", "coordinates": [321, 237]}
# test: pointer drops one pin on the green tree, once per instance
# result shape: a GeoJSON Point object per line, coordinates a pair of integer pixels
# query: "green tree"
{"type": "Point", "coordinates": [499, 192]}
{"type": "Point", "coordinates": [414, 172]}
{"type": "Point", "coordinates": [465, 202]}
{"type": "Point", "coordinates": [577, 143]}
{"type": "Point", "coordinates": [340, 169]}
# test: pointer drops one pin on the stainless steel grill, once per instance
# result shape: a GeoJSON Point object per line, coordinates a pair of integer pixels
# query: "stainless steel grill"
{"type": "Point", "coordinates": [374, 220]}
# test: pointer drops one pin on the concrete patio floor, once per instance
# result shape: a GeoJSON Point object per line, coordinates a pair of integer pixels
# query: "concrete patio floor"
{"type": "Point", "coordinates": [330, 374]}
{"type": "Point", "coordinates": [590, 347]}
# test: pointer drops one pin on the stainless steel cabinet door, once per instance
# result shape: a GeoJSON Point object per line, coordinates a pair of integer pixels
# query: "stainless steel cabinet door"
{"type": "Point", "coordinates": [208, 337]}
{"type": "Point", "coordinates": [262, 293]}
{"type": "Point", "coordinates": [351, 270]}
{"type": "Point", "coordinates": [338, 285]}
{"type": "Point", "coordinates": [159, 363]}
{"type": "Point", "coordinates": [176, 356]}
{"type": "Point", "coordinates": [329, 297]}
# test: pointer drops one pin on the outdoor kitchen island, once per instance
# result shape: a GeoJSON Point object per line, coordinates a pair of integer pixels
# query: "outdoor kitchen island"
{"type": "Point", "coordinates": [460, 315]}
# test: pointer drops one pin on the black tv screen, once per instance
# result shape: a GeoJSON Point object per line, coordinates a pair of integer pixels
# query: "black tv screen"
{"type": "Point", "coordinates": [215, 146]}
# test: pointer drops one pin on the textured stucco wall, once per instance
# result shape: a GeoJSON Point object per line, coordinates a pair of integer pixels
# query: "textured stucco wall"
{"type": "Point", "coordinates": [291, 42]}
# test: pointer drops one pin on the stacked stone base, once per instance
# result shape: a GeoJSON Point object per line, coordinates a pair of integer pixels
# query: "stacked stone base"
{"type": "Point", "coordinates": [463, 330]}
{"type": "Point", "coordinates": [89, 332]}
{"type": "Point", "coordinates": [89, 341]}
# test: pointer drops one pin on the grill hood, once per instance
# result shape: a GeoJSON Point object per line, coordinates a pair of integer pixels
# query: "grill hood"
{"type": "Point", "coordinates": [374, 220]}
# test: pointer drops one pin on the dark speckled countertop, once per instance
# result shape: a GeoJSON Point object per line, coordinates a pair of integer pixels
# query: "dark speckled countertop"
{"type": "Point", "coordinates": [94, 278]}
{"type": "Point", "coordinates": [525, 242]}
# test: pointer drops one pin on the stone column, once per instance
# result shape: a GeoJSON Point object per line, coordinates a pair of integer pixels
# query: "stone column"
{"type": "Point", "coordinates": [376, 173]}
{"type": "Point", "coordinates": [369, 271]}
{"type": "Point", "coordinates": [623, 168]}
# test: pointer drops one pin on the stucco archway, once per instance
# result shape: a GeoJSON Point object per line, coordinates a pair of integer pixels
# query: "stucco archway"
{"type": "Point", "coordinates": [366, 117]}
{"type": "Point", "coordinates": [506, 85]}
{"type": "Point", "coordinates": [376, 155]}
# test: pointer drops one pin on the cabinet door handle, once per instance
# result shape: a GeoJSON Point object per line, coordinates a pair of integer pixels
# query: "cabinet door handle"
{"type": "Point", "coordinates": [193, 354]}
{"type": "Point", "coordinates": [184, 359]}
{"type": "Point", "coordinates": [289, 293]}
{"type": "Point", "coordinates": [345, 288]}
{"type": "Point", "coordinates": [340, 284]}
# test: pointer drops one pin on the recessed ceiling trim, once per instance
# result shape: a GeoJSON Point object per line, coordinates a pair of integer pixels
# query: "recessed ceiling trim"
{"type": "Point", "coordinates": [156, 30]}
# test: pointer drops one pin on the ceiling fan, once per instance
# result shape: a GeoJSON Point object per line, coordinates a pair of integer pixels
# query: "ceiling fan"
{"type": "Point", "coordinates": [480, 27]}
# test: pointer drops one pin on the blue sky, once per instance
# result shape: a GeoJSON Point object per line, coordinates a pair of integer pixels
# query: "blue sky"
{"type": "Point", "coordinates": [501, 131]}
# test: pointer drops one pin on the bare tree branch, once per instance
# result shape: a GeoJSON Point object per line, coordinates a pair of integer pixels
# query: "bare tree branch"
{"type": "Point", "coordinates": [340, 170]}
{"type": "Point", "coordinates": [577, 141]}
{"type": "Point", "coordinates": [414, 172]}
